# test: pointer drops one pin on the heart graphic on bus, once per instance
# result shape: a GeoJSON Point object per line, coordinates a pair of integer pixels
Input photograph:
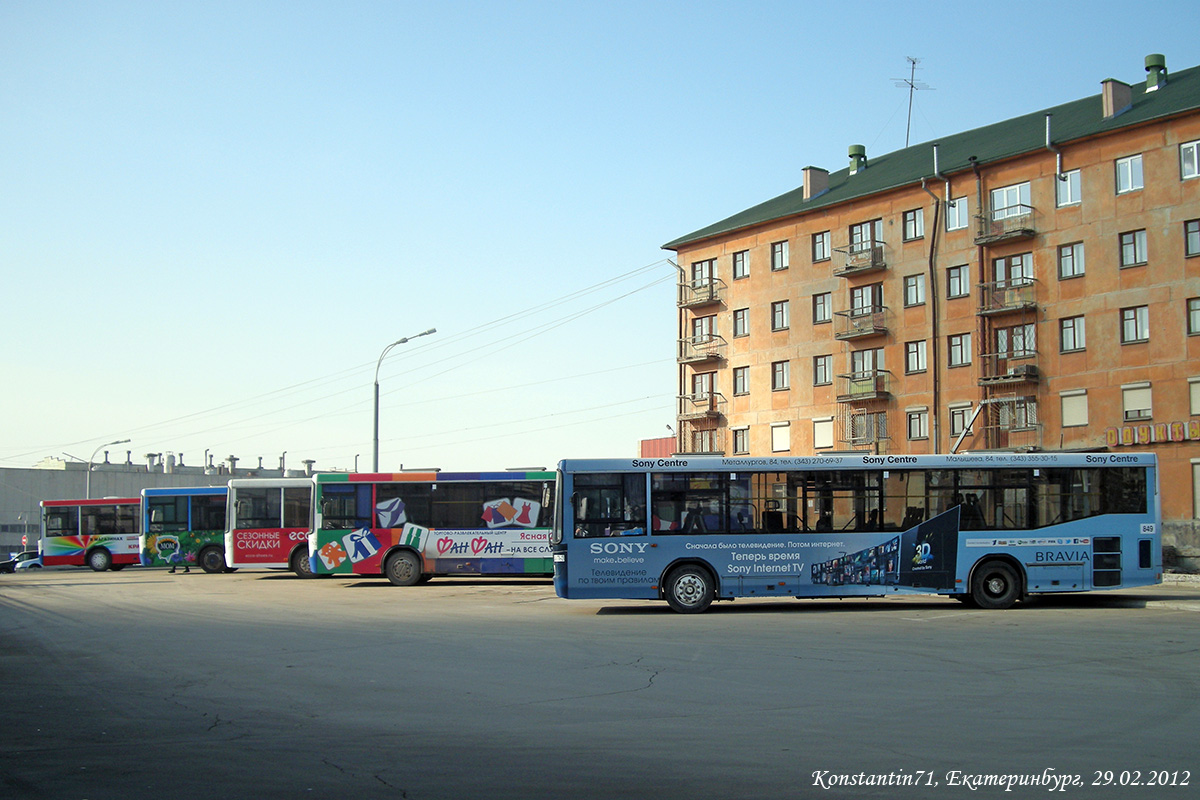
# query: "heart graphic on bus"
{"type": "Point", "coordinates": [444, 544]}
{"type": "Point", "coordinates": [478, 545]}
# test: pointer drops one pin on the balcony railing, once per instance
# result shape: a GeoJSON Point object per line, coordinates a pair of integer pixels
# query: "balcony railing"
{"type": "Point", "coordinates": [860, 258]}
{"type": "Point", "coordinates": [1001, 297]}
{"type": "Point", "coordinates": [701, 292]}
{"type": "Point", "coordinates": [703, 347]}
{"type": "Point", "coordinates": [1008, 368]}
{"type": "Point", "coordinates": [1006, 223]}
{"type": "Point", "coordinates": [701, 405]}
{"type": "Point", "coordinates": [860, 386]}
{"type": "Point", "coordinates": [860, 322]}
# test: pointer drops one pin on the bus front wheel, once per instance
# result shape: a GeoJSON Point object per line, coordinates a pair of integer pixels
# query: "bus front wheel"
{"type": "Point", "coordinates": [689, 589]}
{"type": "Point", "coordinates": [99, 559]}
{"type": "Point", "coordinates": [403, 568]}
{"type": "Point", "coordinates": [300, 564]}
{"type": "Point", "coordinates": [995, 586]}
{"type": "Point", "coordinates": [212, 560]}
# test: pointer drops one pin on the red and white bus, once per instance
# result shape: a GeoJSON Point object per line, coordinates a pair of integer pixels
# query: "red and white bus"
{"type": "Point", "coordinates": [102, 534]}
{"type": "Point", "coordinates": [268, 523]}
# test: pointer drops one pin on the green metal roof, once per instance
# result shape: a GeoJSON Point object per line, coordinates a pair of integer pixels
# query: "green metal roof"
{"type": "Point", "coordinates": [1072, 121]}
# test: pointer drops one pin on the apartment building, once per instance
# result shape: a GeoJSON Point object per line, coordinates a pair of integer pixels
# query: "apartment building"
{"type": "Point", "coordinates": [1033, 284]}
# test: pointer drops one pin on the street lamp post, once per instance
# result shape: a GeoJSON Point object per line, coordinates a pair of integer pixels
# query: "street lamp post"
{"type": "Point", "coordinates": [87, 484]}
{"type": "Point", "coordinates": [375, 441]}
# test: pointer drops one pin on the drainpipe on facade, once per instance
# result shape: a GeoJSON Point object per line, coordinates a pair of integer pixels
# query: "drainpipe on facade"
{"type": "Point", "coordinates": [679, 338]}
{"type": "Point", "coordinates": [935, 417]}
{"type": "Point", "coordinates": [981, 324]}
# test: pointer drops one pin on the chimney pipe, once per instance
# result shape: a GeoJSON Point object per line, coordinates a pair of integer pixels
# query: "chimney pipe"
{"type": "Point", "coordinates": [1115, 97]}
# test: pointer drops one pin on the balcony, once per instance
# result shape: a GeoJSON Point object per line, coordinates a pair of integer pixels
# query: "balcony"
{"type": "Point", "coordinates": [705, 347]}
{"type": "Point", "coordinates": [701, 405]}
{"type": "Point", "coordinates": [701, 292]}
{"type": "Point", "coordinates": [1012, 424]}
{"type": "Point", "coordinates": [1003, 369]}
{"type": "Point", "coordinates": [1006, 224]}
{"type": "Point", "coordinates": [1004, 297]}
{"type": "Point", "coordinates": [700, 441]}
{"type": "Point", "coordinates": [861, 258]}
{"type": "Point", "coordinates": [858, 387]}
{"type": "Point", "coordinates": [860, 323]}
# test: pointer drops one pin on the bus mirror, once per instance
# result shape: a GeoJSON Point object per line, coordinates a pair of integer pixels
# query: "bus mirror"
{"type": "Point", "coordinates": [242, 508]}
{"type": "Point", "coordinates": [156, 515]}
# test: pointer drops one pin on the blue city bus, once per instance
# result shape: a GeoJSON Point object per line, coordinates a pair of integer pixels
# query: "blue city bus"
{"type": "Point", "coordinates": [983, 528]}
{"type": "Point", "coordinates": [183, 527]}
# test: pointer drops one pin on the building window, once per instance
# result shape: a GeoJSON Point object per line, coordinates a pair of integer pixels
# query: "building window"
{"type": "Point", "coordinates": [1018, 341]}
{"type": "Point", "coordinates": [1194, 396]}
{"type": "Point", "coordinates": [866, 362]}
{"type": "Point", "coordinates": [822, 308]}
{"type": "Point", "coordinates": [1074, 408]}
{"type": "Point", "coordinates": [870, 426]}
{"type": "Point", "coordinates": [741, 440]}
{"type": "Point", "coordinates": [1070, 260]}
{"type": "Point", "coordinates": [959, 350]}
{"type": "Point", "coordinates": [914, 356]}
{"type": "Point", "coordinates": [702, 385]}
{"type": "Point", "coordinates": [779, 256]}
{"type": "Point", "coordinates": [741, 380]}
{"type": "Point", "coordinates": [1129, 174]}
{"type": "Point", "coordinates": [780, 376]}
{"type": "Point", "coordinates": [914, 290]}
{"type": "Point", "coordinates": [918, 423]}
{"type": "Point", "coordinates": [822, 370]}
{"type": "Point", "coordinates": [1189, 160]}
{"type": "Point", "coordinates": [1193, 316]}
{"type": "Point", "coordinates": [779, 315]}
{"type": "Point", "coordinates": [741, 264]}
{"type": "Point", "coordinates": [780, 437]}
{"type": "Point", "coordinates": [1010, 201]}
{"type": "Point", "coordinates": [1135, 324]}
{"type": "Point", "coordinates": [956, 214]}
{"type": "Point", "coordinates": [1191, 237]}
{"type": "Point", "coordinates": [822, 433]}
{"type": "Point", "coordinates": [1071, 335]}
{"type": "Point", "coordinates": [741, 322]}
{"type": "Point", "coordinates": [866, 299]}
{"type": "Point", "coordinates": [866, 235]}
{"type": "Point", "coordinates": [703, 273]}
{"type": "Point", "coordinates": [960, 415]}
{"type": "Point", "coordinates": [1067, 192]}
{"type": "Point", "coordinates": [1136, 401]}
{"type": "Point", "coordinates": [958, 281]}
{"type": "Point", "coordinates": [703, 329]}
{"type": "Point", "coordinates": [821, 249]}
{"type": "Point", "coordinates": [1014, 270]}
{"type": "Point", "coordinates": [1133, 248]}
{"type": "Point", "coordinates": [914, 224]}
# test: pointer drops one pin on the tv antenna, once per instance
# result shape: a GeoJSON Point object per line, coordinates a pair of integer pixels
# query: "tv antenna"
{"type": "Point", "coordinates": [913, 85]}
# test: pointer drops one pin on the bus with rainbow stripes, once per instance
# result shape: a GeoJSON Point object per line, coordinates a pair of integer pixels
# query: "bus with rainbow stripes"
{"type": "Point", "coordinates": [412, 526]}
{"type": "Point", "coordinates": [101, 534]}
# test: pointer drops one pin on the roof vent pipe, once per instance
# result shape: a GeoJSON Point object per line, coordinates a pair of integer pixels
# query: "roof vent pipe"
{"type": "Point", "coordinates": [858, 158]}
{"type": "Point", "coordinates": [1058, 173]}
{"type": "Point", "coordinates": [1156, 68]}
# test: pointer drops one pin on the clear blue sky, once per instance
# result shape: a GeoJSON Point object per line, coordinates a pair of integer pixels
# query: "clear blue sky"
{"type": "Point", "coordinates": [214, 216]}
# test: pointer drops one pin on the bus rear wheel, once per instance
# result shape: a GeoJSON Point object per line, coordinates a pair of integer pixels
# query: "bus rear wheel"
{"type": "Point", "coordinates": [212, 560]}
{"type": "Point", "coordinates": [403, 568]}
{"type": "Point", "coordinates": [99, 559]}
{"type": "Point", "coordinates": [689, 589]}
{"type": "Point", "coordinates": [995, 586]}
